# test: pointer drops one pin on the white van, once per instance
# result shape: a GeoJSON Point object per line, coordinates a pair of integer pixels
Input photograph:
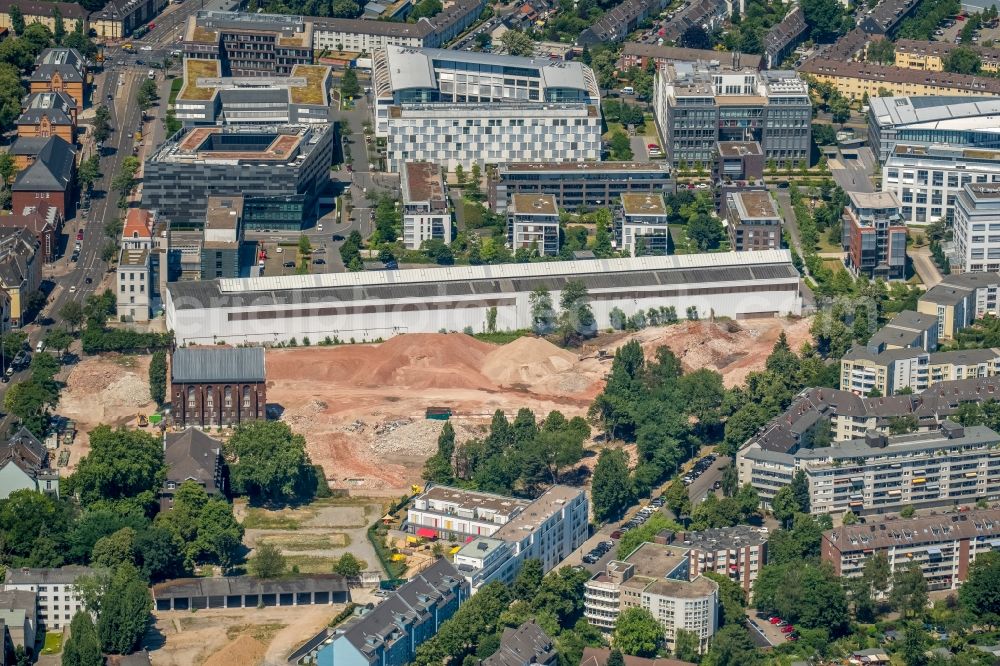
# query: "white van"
{"type": "Point", "coordinates": [40, 347]}
{"type": "Point", "coordinates": [152, 74]}
{"type": "Point", "coordinates": [628, 90]}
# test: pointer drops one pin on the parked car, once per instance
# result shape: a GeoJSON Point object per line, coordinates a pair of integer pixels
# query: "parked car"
{"type": "Point", "coordinates": [289, 264]}
{"type": "Point", "coordinates": [787, 630]}
{"type": "Point", "coordinates": [319, 262]}
{"type": "Point", "coordinates": [617, 534]}
{"type": "Point", "coordinates": [774, 619]}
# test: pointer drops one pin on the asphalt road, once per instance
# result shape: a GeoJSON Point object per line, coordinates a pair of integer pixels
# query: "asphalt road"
{"type": "Point", "coordinates": [698, 490]}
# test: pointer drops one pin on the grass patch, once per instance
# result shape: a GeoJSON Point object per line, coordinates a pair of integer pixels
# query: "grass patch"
{"type": "Point", "coordinates": [682, 244]}
{"type": "Point", "coordinates": [825, 245]}
{"type": "Point", "coordinates": [126, 361]}
{"type": "Point", "coordinates": [473, 215]}
{"type": "Point", "coordinates": [53, 643]}
{"type": "Point", "coordinates": [310, 564]}
{"type": "Point", "coordinates": [284, 519]}
{"type": "Point", "coordinates": [303, 267]}
{"type": "Point", "coordinates": [612, 128]}
{"type": "Point", "coordinates": [502, 337]}
{"type": "Point", "coordinates": [298, 542]}
{"type": "Point", "coordinates": [834, 264]}
{"type": "Point", "coordinates": [175, 88]}
{"type": "Point", "coordinates": [264, 633]}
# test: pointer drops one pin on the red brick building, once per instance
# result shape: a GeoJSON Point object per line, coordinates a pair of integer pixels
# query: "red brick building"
{"type": "Point", "coordinates": [48, 180]}
{"type": "Point", "coordinates": [43, 222]}
{"type": "Point", "coordinates": [212, 387]}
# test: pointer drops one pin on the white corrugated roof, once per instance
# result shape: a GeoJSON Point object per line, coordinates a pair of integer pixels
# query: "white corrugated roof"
{"type": "Point", "coordinates": [502, 271]}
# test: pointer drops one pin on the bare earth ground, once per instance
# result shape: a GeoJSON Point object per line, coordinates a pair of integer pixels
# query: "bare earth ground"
{"type": "Point", "coordinates": [236, 637]}
{"type": "Point", "coordinates": [109, 388]}
{"type": "Point", "coordinates": [361, 407]}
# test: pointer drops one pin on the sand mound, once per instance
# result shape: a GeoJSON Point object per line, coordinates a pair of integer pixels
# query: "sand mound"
{"type": "Point", "coordinates": [526, 361]}
{"type": "Point", "coordinates": [242, 651]}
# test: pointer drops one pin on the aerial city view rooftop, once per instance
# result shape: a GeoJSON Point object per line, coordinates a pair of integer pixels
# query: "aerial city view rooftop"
{"type": "Point", "coordinates": [500, 333]}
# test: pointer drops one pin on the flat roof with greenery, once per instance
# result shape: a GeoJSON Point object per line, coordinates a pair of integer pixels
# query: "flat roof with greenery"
{"type": "Point", "coordinates": [313, 92]}
{"type": "Point", "coordinates": [194, 69]}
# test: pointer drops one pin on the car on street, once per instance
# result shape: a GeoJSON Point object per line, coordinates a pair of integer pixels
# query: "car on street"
{"type": "Point", "coordinates": [88, 280]}
{"type": "Point", "coordinates": [79, 235]}
{"type": "Point", "coordinates": [337, 237]}
{"type": "Point", "coordinates": [319, 227]}
{"type": "Point", "coordinates": [787, 630]}
{"type": "Point", "coordinates": [289, 264]}
{"type": "Point", "coordinates": [279, 250]}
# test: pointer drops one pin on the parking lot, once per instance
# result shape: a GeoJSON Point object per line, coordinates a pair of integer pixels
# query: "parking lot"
{"type": "Point", "coordinates": [772, 629]}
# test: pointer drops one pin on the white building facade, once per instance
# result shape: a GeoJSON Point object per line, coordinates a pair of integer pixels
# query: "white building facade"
{"type": "Point", "coordinates": [977, 227]}
{"type": "Point", "coordinates": [55, 588]}
{"type": "Point", "coordinates": [459, 108]}
{"type": "Point", "coordinates": [426, 211]}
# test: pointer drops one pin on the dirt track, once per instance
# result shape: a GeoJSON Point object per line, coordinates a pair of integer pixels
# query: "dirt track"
{"type": "Point", "coordinates": [361, 407]}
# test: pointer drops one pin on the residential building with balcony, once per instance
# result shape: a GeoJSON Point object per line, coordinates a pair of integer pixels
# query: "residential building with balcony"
{"type": "Point", "coordinates": [426, 210]}
{"type": "Point", "coordinates": [753, 221]}
{"type": "Point", "coordinates": [655, 577]}
{"type": "Point", "coordinates": [928, 179]}
{"type": "Point", "coordinates": [959, 300]}
{"type": "Point", "coordinates": [738, 553]}
{"type": "Point", "coordinates": [697, 105]}
{"type": "Point", "coordinates": [641, 225]}
{"type": "Point", "coordinates": [977, 228]}
{"type": "Point", "coordinates": [874, 235]}
{"type": "Point", "coordinates": [881, 474]}
{"type": "Point", "coordinates": [58, 600]}
{"type": "Point", "coordinates": [577, 185]}
{"type": "Point", "coordinates": [944, 546]}
{"type": "Point", "coordinates": [533, 223]}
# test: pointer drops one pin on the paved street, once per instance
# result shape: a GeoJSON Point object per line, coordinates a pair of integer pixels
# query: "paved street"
{"type": "Point", "coordinates": [854, 175]}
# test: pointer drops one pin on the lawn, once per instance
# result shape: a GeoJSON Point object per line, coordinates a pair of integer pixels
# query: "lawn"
{"type": "Point", "coordinates": [53, 643]}
{"type": "Point", "coordinates": [310, 564]}
{"type": "Point", "coordinates": [682, 244]}
{"type": "Point", "coordinates": [825, 245]}
{"type": "Point", "coordinates": [175, 87]}
{"type": "Point", "coordinates": [473, 215]}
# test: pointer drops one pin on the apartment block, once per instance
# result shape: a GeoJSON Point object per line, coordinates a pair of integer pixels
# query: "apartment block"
{"type": "Point", "coordinates": [753, 221]}
{"type": "Point", "coordinates": [120, 18]}
{"type": "Point", "coordinates": [426, 210]}
{"type": "Point", "coordinates": [696, 105]}
{"type": "Point", "coordinates": [655, 577]}
{"type": "Point", "coordinates": [250, 44]}
{"type": "Point", "coordinates": [533, 223]}
{"type": "Point", "coordinates": [874, 235]}
{"type": "Point", "coordinates": [977, 228]}
{"type": "Point", "coordinates": [927, 180]}
{"type": "Point", "coordinates": [368, 36]}
{"type": "Point", "coordinates": [960, 299]}
{"type": "Point", "coordinates": [932, 56]}
{"type": "Point", "coordinates": [738, 167]}
{"type": "Point", "coordinates": [907, 329]}
{"type": "Point", "coordinates": [457, 107]}
{"type": "Point", "coordinates": [577, 185]}
{"type": "Point", "coordinates": [738, 553]}
{"type": "Point", "coordinates": [137, 263]}
{"type": "Point", "coordinates": [889, 372]}
{"type": "Point", "coordinates": [225, 252]}
{"type": "Point", "coordinates": [640, 54]}
{"type": "Point", "coordinates": [55, 588]}
{"type": "Point", "coordinates": [854, 80]}
{"type": "Point", "coordinates": [641, 225]}
{"type": "Point", "coordinates": [943, 545]}
{"type": "Point", "coordinates": [500, 533]}
{"type": "Point", "coordinates": [881, 473]}
{"type": "Point", "coordinates": [616, 24]}
{"type": "Point", "coordinates": [390, 633]}
{"type": "Point", "coordinates": [929, 120]}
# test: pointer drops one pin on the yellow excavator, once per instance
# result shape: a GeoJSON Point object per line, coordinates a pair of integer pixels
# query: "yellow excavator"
{"type": "Point", "coordinates": [143, 421]}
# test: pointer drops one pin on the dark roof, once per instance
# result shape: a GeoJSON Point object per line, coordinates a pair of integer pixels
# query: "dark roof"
{"type": "Point", "coordinates": [414, 599]}
{"type": "Point", "coordinates": [209, 587]}
{"type": "Point", "coordinates": [15, 267]}
{"type": "Point", "coordinates": [67, 62]}
{"type": "Point", "coordinates": [680, 54]}
{"type": "Point", "coordinates": [523, 646]}
{"type": "Point", "coordinates": [887, 15]}
{"type": "Point", "coordinates": [978, 524]}
{"type": "Point", "coordinates": [779, 37]}
{"type": "Point", "coordinates": [52, 170]}
{"type": "Point", "coordinates": [210, 365]}
{"type": "Point", "coordinates": [36, 219]}
{"type": "Point", "coordinates": [192, 455]}
{"type": "Point", "coordinates": [28, 145]}
{"type": "Point", "coordinates": [54, 105]}
{"type": "Point", "coordinates": [69, 10]}
{"type": "Point", "coordinates": [613, 25]}
{"type": "Point", "coordinates": [46, 576]}
{"type": "Point", "coordinates": [826, 66]}
{"type": "Point", "coordinates": [599, 657]}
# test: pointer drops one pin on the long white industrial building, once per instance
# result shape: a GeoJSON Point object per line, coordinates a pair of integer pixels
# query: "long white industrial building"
{"type": "Point", "coordinates": [380, 304]}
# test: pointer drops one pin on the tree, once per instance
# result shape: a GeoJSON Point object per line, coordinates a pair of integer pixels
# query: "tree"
{"type": "Point", "coordinates": [517, 43]}
{"type": "Point", "coordinates": [706, 231]}
{"type": "Point", "coordinates": [145, 95]}
{"type": "Point", "coordinates": [638, 633]}
{"type": "Point", "coordinates": [349, 86]}
{"type": "Point", "coordinates": [687, 645]}
{"type": "Point", "coordinates": [806, 594]}
{"type": "Point", "coordinates": [800, 491]}
{"type": "Point", "coordinates": [980, 594]}
{"type": "Point", "coordinates": [825, 19]}
{"type": "Point", "coordinates": [963, 60]}
{"type": "Point", "coordinates": [528, 580]}
{"type": "Point", "coordinates": [16, 19]}
{"type": "Point", "coordinates": [267, 561]}
{"type": "Point", "coordinates": [348, 566]}
{"type": "Point", "coordinates": [269, 463]}
{"type": "Point", "coordinates": [621, 147]}
{"type": "Point", "coordinates": [909, 591]}
{"type": "Point", "coordinates": [58, 339]}
{"type": "Point", "coordinates": [695, 37]}
{"type": "Point", "coordinates": [543, 315]}
{"type": "Point", "coordinates": [89, 172]}
{"type": "Point", "coordinates": [907, 511]}
{"type": "Point", "coordinates": [158, 376]}
{"type": "Point", "coordinates": [123, 466]}
{"type": "Point", "coordinates": [159, 555]}
{"type": "Point", "coordinates": [115, 549]}
{"type": "Point", "coordinates": [913, 648]}
{"type": "Point", "coordinates": [83, 647]}
{"type": "Point", "coordinates": [881, 51]}
{"type": "Point", "coordinates": [611, 489]}
{"type": "Point", "coordinates": [576, 319]}
{"type": "Point", "coordinates": [602, 235]}
{"type": "Point", "coordinates": [876, 573]}
{"type": "Point", "coordinates": [731, 646]}
{"type": "Point", "coordinates": [615, 658]}
{"type": "Point", "coordinates": [677, 497]}
{"type": "Point", "coordinates": [102, 126]}
{"type": "Point", "coordinates": [784, 504]}
{"type": "Point", "coordinates": [124, 611]}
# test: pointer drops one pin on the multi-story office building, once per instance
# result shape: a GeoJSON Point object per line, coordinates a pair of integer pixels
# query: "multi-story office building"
{"type": "Point", "coordinates": [250, 44]}
{"type": "Point", "coordinates": [977, 227]}
{"type": "Point", "coordinates": [281, 171]}
{"type": "Point", "coordinates": [58, 600]}
{"type": "Point", "coordinates": [881, 474]}
{"type": "Point", "coordinates": [225, 252]}
{"type": "Point", "coordinates": [426, 211]}
{"type": "Point", "coordinates": [577, 185]}
{"type": "Point", "coordinates": [533, 223]}
{"type": "Point", "coordinates": [390, 633]}
{"type": "Point", "coordinates": [753, 221]}
{"type": "Point", "coordinates": [696, 105]}
{"type": "Point", "coordinates": [641, 225]}
{"type": "Point", "coordinates": [738, 167]}
{"type": "Point", "coordinates": [944, 545]}
{"type": "Point", "coordinates": [456, 108]}
{"type": "Point", "coordinates": [960, 299]}
{"type": "Point", "coordinates": [501, 532]}
{"type": "Point", "coordinates": [655, 577]}
{"type": "Point", "coordinates": [738, 553]}
{"type": "Point", "coordinates": [930, 120]}
{"type": "Point", "coordinates": [208, 98]}
{"type": "Point", "coordinates": [821, 415]}
{"type": "Point", "coordinates": [874, 235]}
{"type": "Point", "coordinates": [927, 179]}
